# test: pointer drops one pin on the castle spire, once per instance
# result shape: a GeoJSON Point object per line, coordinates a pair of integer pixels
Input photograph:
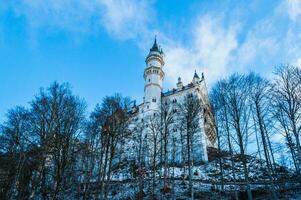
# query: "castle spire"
{"type": "Point", "coordinates": [196, 78]}
{"type": "Point", "coordinates": [196, 75]}
{"type": "Point", "coordinates": [179, 84]}
{"type": "Point", "coordinates": [155, 46]}
{"type": "Point", "coordinates": [153, 76]}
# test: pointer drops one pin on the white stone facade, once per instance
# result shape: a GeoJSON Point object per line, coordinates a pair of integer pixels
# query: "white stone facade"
{"type": "Point", "coordinates": [152, 102]}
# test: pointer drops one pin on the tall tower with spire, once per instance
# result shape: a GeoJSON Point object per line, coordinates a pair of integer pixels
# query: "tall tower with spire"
{"type": "Point", "coordinates": [153, 76]}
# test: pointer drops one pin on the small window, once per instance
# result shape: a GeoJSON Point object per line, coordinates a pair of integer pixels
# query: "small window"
{"type": "Point", "coordinates": [147, 107]}
{"type": "Point", "coordinates": [149, 80]}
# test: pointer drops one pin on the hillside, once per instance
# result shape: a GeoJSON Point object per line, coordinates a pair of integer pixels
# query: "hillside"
{"type": "Point", "coordinates": [207, 180]}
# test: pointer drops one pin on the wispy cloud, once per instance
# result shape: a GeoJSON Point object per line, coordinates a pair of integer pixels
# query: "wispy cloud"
{"type": "Point", "coordinates": [293, 8]}
{"type": "Point", "coordinates": [209, 51]}
{"type": "Point", "coordinates": [217, 44]}
{"type": "Point", "coordinates": [68, 15]}
{"type": "Point", "coordinates": [122, 18]}
{"type": "Point", "coordinates": [218, 48]}
{"type": "Point", "coordinates": [126, 18]}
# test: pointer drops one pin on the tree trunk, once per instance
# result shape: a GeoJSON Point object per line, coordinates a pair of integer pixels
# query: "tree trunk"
{"type": "Point", "coordinates": [266, 153]}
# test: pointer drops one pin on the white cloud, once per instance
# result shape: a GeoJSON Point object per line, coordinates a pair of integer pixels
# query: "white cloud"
{"type": "Point", "coordinates": [298, 62]}
{"type": "Point", "coordinates": [218, 50]}
{"type": "Point", "coordinates": [123, 18]}
{"type": "Point", "coordinates": [272, 40]}
{"type": "Point", "coordinates": [209, 51]}
{"type": "Point", "coordinates": [214, 47]}
{"type": "Point", "coordinates": [126, 18]}
{"type": "Point", "coordinates": [259, 47]}
{"type": "Point", "coordinates": [73, 16]}
{"type": "Point", "coordinates": [293, 9]}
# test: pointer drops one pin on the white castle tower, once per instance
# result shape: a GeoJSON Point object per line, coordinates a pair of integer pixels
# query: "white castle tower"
{"type": "Point", "coordinates": [144, 113]}
{"type": "Point", "coordinates": [153, 76]}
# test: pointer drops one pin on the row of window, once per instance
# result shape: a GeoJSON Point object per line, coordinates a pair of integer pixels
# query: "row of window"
{"type": "Point", "coordinates": [152, 71]}
{"type": "Point", "coordinates": [175, 100]}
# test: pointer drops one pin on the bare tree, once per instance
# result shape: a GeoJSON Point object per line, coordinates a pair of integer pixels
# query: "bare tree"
{"type": "Point", "coordinates": [56, 120]}
{"type": "Point", "coordinates": [190, 116]}
{"type": "Point", "coordinates": [154, 126]}
{"type": "Point", "coordinates": [88, 157]}
{"type": "Point", "coordinates": [259, 93]}
{"type": "Point", "coordinates": [287, 104]}
{"type": "Point", "coordinates": [239, 113]}
{"type": "Point", "coordinates": [113, 122]}
{"type": "Point", "coordinates": [15, 142]}
{"type": "Point", "coordinates": [140, 146]}
{"type": "Point", "coordinates": [166, 114]}
{"type": "Point", "coordinates": [216, 106]}
{"type": "Point", "coordinates": [218, 98]}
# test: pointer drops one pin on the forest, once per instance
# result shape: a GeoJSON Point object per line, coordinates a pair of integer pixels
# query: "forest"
{"type": "Point", "coordinates": [53, 148]}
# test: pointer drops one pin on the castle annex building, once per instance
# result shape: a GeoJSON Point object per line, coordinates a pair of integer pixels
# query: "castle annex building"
{"type": "Point", "coordinates": [155, 97]}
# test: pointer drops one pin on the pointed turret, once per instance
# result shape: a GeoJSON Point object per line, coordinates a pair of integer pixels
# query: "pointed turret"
{"type": "Point", "coordinates": [155, 52]}
{"type": "Point", "coordinates": [196, 75]}
{"type": "Point", "coordinates": [153, 76]}
{"type": "Point", "coordinates": [196, 78]}
{"type": "Point", "coordinates": [179, 84]}
{"type": "Point", "coordinates": [155, 46]}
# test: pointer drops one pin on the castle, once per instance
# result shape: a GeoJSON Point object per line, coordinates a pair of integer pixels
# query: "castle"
{"type": "Point", "coordinates": [154, 97]}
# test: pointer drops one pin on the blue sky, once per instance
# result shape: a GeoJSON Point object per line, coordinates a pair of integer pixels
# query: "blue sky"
{"type": "Point", "coordinates": [99, 46]}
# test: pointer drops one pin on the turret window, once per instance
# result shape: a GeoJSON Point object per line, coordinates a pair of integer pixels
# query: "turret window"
{"type": "Point", "coordinates": [149, 80]}
{"type": "Point", "coordinates": [154, 100]}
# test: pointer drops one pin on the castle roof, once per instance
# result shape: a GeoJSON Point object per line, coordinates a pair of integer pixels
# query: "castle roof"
{"type": "Point", "coordinates": [196, 75]}
{"type": "Point", "coordinates": [155, 46]}
{"type": "Point", "coordinates": [174, 91]}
